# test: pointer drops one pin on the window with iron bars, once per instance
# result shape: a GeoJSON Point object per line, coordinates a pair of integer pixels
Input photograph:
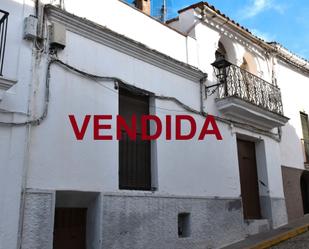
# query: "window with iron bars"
{"type": "Point", "coordinates": [3, 32]}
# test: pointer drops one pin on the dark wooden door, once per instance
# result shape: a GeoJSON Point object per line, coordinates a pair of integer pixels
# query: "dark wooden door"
{"type": "Point", "coordinates": [304, 184]}
{"type": "Point", "coordinates": [248, 179]}
{"type": "Point", "coordinates": [70, 228]}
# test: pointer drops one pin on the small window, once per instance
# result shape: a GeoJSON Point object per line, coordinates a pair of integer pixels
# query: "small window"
{"type": "Point", "coordinates": [134, 156]}
{"type": "Point", "coordinates": [3, 31]}
{"type": "Point", "coordinates": [184, 227]}
{"type": "Point", "coordinates": [305, 125]}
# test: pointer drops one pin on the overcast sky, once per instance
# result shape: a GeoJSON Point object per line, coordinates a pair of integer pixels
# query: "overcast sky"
{"type": "Point", "coordinates": [284, 21]}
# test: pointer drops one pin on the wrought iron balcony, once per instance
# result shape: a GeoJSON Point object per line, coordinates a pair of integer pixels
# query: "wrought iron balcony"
{"type": "Point", "coordinates": [242, 84]}
{"type": "Point", "coordinates": [244, 95]}
{"type": "Point", "coordinates": [3, 31]}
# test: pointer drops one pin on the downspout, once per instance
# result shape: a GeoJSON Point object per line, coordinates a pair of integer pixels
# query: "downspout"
{"type": "Point", "coordinates": [202, 81]}
{"type": "Point", "coordinates": [39, 13]}
{"type": "Point", "coordinates": [187, 36]}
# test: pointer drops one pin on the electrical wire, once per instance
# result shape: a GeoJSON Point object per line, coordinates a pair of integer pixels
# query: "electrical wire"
{"type": "Point", "coordinates": [128, 86]}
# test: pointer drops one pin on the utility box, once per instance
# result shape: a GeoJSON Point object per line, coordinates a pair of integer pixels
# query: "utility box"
{"type": "Point", "coordinates": [57, 36]}
{"type": "Point", "coordinates": [30, 27]}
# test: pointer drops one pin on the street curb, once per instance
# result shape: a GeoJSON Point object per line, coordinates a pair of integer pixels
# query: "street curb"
{"type": "Point", "coordinates": [280, 238]}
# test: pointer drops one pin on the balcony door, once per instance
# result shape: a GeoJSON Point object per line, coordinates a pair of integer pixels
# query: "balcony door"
{"type": "Point", "coordinates": [248, 179]}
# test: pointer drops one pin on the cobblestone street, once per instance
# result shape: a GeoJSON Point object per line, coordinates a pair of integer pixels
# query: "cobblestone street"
{"type": "Point", "coordinates": [299, 242]}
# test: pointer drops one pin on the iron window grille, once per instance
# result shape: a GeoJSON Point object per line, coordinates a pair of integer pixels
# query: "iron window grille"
{"type": "Point", "coordinates": [242, 84]}
{"type": "Point", "coordinates": [3, 32]}
{"type": "Point", "coordinates": [134, 155]}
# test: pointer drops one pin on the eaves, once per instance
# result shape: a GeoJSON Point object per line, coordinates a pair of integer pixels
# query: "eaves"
{"type": "Point", "coordinates": [297, 62]}
{"type": "Point", "coordinates": [122, 43]}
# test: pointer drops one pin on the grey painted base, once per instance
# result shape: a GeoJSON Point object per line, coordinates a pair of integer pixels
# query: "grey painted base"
{"type": "Point", "coordinates": [151, 222]}
{"type": "Point", "coordinates": [274, 209]}
{"type": "Point", "coordinates": [38, 223]}
{"type": "Point", "coordinates": [123, 221]}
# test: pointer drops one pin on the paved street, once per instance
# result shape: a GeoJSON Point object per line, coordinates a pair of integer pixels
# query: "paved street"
{"type": "Point", "coordinates": [299, 242]}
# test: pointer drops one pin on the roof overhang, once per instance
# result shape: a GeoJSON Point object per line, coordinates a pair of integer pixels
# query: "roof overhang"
{"type": "Point", "coordinates": [122, 43]}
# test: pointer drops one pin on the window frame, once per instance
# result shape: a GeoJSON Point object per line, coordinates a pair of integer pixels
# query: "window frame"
{"type": "Point", "coordinates": [135, 94]}
{"type": "Point", "coordinates": [304, 118]}
{"type": "Point", "coordinates": [3, 37]}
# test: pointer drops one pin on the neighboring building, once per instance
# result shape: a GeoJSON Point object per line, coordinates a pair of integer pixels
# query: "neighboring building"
{"type": "Point", "coordinates": [107, 58]}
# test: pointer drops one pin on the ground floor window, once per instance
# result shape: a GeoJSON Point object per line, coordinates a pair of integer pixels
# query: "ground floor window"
{"type": "Point", "coordinates": [134, 155]}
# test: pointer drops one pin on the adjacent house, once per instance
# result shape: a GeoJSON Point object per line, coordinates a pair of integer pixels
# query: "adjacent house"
{"type": "Point", "coordinates": [82, 63]}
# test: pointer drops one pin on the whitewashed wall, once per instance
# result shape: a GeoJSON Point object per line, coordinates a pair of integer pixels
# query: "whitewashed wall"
{"type": "Point", "coordinates": [207, 36]}
{"type": "Point", "coordinates": [195, 172]}
{"type": "Point", "coordinates": [294, 87]}
{"type": "Point", "coordinates": [114, 14]}
{"type": "Point", "coordinates": [58, 162]}
{"type": "Point", "coordinates": [93, 165]}
{"type": "Point", "coordinates": [13, 140]}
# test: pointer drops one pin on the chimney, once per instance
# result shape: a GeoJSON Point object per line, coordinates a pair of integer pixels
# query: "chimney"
{"type": "Point", "coordinates": [143, 5]}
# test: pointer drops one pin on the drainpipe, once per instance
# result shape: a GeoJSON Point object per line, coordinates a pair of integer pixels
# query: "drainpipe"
{"type": "Point", "coordinates": [202, 81]}
{"type": "Point", "coordinates": [39, 12]}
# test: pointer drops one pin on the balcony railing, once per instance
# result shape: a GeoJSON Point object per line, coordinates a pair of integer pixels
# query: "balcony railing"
{"type": "Point", "coordinates": [3, 31]}
{"type": "Point", "coordinates": [306, 149]}
{"type": "Point", "coordinates": [239, 83]}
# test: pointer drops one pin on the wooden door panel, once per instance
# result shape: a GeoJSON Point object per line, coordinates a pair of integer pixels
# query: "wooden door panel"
{"type": "Point", "coordinates": [70, 228]}
{"type": "Point", "coordinates": [248, 179]}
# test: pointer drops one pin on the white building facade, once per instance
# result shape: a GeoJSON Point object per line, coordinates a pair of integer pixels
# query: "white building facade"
{"type": "Point", "coordinates": [107, 58]}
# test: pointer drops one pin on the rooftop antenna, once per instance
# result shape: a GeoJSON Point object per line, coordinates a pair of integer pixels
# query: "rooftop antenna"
{"type": "Point", "coordinates": [163, 11]}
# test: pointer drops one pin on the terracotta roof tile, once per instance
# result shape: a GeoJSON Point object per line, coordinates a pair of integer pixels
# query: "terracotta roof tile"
{"type": "Point", "coordinates": [201, 4]}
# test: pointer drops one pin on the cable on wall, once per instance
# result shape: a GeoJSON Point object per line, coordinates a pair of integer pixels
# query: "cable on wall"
{"type": "Point", "coordinates": [117, 81]}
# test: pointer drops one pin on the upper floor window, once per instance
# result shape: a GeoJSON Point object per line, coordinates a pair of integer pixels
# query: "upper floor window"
{"type": "Point", "coordinates": [305, 125]}
{"type": "Point", "coordinates": [305, 129]}
{"type": "Point", "coordinates": [3, 31]}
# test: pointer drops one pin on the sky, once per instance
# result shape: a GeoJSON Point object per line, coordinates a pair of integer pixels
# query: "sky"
{"type": "Point", "coordinates": [283, 21]}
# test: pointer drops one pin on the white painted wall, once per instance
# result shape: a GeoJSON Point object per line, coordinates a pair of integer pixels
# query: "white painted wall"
{"type": "Point", "coordinates": [58, 162]}
{"type": "Point", "coordinates": [138, 26]}
{"type": "Point", "coordinates": [13, 140]}
{"type": "Point", "coordinates": [93, 165]}
{"type": "Point", "coordinates": [207, 36]}
{"type": "Point", "coordinates": [294, 87]}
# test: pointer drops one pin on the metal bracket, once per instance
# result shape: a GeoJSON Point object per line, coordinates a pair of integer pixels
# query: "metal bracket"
{"type": "Point", "coordinates": [207, 87]}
